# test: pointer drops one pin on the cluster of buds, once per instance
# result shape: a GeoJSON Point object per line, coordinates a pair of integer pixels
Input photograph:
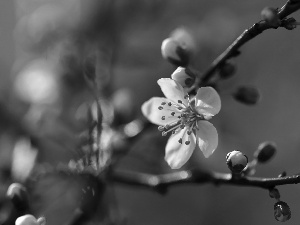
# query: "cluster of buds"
{"type": "Point", "coordinates": [238, 164]}
{"type": "Point", "coordinates": [178, 50]}
{"type": "Point", "coordinates": [282, 210]}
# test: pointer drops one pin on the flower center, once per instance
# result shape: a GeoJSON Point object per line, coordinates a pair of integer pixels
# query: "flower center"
{"type": "Point", "coordinates": [187, 119]}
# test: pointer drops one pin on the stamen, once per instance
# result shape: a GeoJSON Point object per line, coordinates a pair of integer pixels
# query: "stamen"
{"type": "Point", "coordinates": [187, 142]}
{"type": "Point", "coordinates": [180, 140]}
{"type": "Point", "coordinates": [170, 103]}
{"type": "Point", "coordinates": [163, 117]}
{"type": "Point", "coordinates": [160, 107]}
{"type": "Point", "coordinates": [173, 129]}
{"type": "Point", "coordinates": [179, 101]}
{"type": "Point", "coordinates": [172, 113]}
{"type": "Point", "coordinates": [189, 132]}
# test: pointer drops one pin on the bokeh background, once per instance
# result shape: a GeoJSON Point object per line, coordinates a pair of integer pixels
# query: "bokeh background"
{"type": "Point", "coordinates": [47, 36]}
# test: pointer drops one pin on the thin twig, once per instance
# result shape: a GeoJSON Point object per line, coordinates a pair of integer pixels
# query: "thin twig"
{"type": "Point", "coordinates": [233, 50]}
{"type": "Point", "coordinates": [161, 182]}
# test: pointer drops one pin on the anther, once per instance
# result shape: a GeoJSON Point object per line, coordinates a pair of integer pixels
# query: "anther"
{"type": "Point", "coordinates": [187, 142]}
{"type": "Point", "coordinates": [164, 133]}
{"type": "Point", "coordinates": [163, 117]}
{"type": "Point", "coordinates": [163, 103]}
{"type": "Point", "coordinates": [180, 140]}
{"type": "Point", "coordinates": [179, 101]}
{"type": "Point", "coordinates": [180, 108]}
{"type": "Point", "coordinates": [186, 96]}
{"type": "Point", "coordinates": [170, 103]}
{"type": "Point", "coordinates": [178, 117]}
{"type": "Point", "coordinates": [189, 132]}
{"type": "Point", "coordinates": [182, 126]}
{"type": "Point", "coordinates": [172, 113]}
{"type": "Point", "coordinates": [160, 107]}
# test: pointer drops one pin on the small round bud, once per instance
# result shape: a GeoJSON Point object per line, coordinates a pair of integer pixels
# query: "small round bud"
{"type": "Point", "coordinates": [227, 70]}
{"type": "Point", "coordinates": [274, 193]}
{"type": "Point", "coordinates": [174, 52]}
{"type": "Point", "coordinates": [247, 95]}
{"type": "Point", "coordinates": [18, 195]}
{"type": "Point", "coordinates": [26, 220]}
{"type": "Point", "coordinates": [185, 77]}
{"type": "Point", "coordinates": [236, 161]}
{"type": "Point", "coordinates": [265, 152]}
{"type": "Point", "coordinates": [282, 211]}
{"type": "Point", "coordinates": [271, 16]}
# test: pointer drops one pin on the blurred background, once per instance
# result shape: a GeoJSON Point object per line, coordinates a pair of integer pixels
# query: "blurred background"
{"type": "Point", "coordinates": [46, 46]}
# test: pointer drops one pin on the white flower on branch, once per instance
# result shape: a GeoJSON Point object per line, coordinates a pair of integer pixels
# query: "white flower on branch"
{"type": "Point", "coordinates": [186, 119]}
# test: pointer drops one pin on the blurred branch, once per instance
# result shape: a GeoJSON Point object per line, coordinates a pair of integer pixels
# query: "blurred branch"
{"type": "Point", "coordinates": [256, 29]}
{"type": "Point", "coordinates": [160, 183]}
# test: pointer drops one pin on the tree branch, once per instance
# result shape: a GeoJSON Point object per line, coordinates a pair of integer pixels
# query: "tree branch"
{"type": "Point", "coordinates": [233, 50]}
{"type": "Point", "coordinates": [160, 183]}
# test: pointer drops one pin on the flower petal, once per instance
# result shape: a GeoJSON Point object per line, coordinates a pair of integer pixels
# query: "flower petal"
{"type": "Point", "coordinates": [152, 112]}
{"type": "Point", "coordinates": [207, 137]}
{"type": "Point", "coordinates": [172, 90]}
{"type": "Point", "coordinates": [184, 77]}
{"type": "Point", "coordinates": [177, 154]}
{"type": "Point", "coordinates": [208, 101]}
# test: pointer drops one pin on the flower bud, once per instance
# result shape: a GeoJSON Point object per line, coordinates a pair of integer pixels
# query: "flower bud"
{"type": "Point", "coordinates": [236, 161]}
{"type": "Point", "coordinates": [185, 77]}
{"type": "Point", "coordinates": [271, 16]}
{"type": "Point", "coordinates": [185, 39]}
{"type": "Point", "coordinates": [247, 95]}
{"type": "Point", "coordinates": [26, 220]}
{"type": "Point", "coordinates": [274, 193]}
{"type": "Point", "coordinates": [227, 70]}
{"type": "Point", "coordinates": [174, 52]}
{"type": "Point", "coordinates": [282, 211]}
{"type": "Point", "coordinates": [265, 152]}
{"type": "Point", "coordinates": [18, 195]}
{"type": "Point", "coordinates": [289, 23]}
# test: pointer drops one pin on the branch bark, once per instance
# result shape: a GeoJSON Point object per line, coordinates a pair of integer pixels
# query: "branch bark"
{"type": "Point", "coordinates": [162, 182]}
{"type": "Point", "coordinates": [256, 29]}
